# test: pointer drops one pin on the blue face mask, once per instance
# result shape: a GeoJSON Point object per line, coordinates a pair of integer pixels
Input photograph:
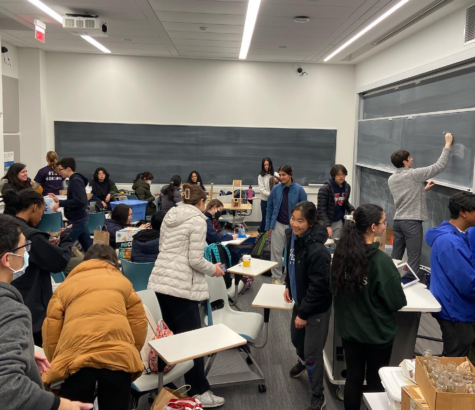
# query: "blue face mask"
{"type": "Point", "coordinates": [21, 272]}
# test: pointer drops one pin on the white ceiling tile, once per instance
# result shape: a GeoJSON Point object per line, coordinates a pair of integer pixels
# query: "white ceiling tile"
{"type": "Point", "coordinates": [210, 28]}
{"type": "Point", "coordinates": [235, 19]}
{"type": "Point", "coordinates": [205, 35]}
{"type": "Point", "coordinates": [209, 54]}
{"type": "Point", "coordinates": [206, 43]}
{"type": "Point", "coordinates": [287, 41]}
{"type": "Point", "coordinates": [193, 6]}
{"type": "Point", "coordinates": [128, 24]}
{"type": "Point", "coordinates": [333, 3]}
{"type": "Point", "coordinates": [292, 32]}
{"type": "Point", "coordinates": [225, 50]}
{"type": "Point", "coordinates": [288, 10]}
{"type": "Point", "coordinates": [296, 47]}
{"type": "Point", "coordinates": [135, 40]}
{"type": "Point", "coordinates": [289, 22]}
{"type": "Point", "coordinates": [126, 32]}
{"type": "Point", "coordinates": [120, 4]}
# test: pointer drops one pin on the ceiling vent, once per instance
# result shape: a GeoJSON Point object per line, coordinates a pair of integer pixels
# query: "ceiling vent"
{"type": "Point", "coordinates": [470, 26]}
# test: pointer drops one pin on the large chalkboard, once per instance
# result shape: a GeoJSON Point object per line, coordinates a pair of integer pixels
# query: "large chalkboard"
{"type": "Point", "coordinates": [219, 154]}
{"type": "Point", "coordinates": [374, 189]}
{"type": "Point", "coordinates": [423, 137]}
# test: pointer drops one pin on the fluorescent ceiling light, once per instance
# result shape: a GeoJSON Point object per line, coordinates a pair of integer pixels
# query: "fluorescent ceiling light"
{"type": "Point", "coordinates": [95, 43]}
{"type": "Point", "coordinates": [47, 10]}
{"type": "Point", "coordinates": [365, 30]}
{"type": "Point", "coordinates": [251, 17]}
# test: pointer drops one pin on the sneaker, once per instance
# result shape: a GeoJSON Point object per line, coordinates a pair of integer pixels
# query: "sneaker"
{"type": "Point", "coordinates": [209, 400]}
{"type": "Point", "coordinates": [276, 282]}
{"type": "Point", "coordinates": [297, 370]}
{"type": "Point", "coordinates": [318, 403]}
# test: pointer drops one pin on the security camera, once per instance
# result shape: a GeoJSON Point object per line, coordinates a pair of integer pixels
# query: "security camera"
{"type": "Point", "coordinates": [300, 70]}
{"type": "Point", "coordinates": [4, 50]}
{"type": "Point", "coordinates": [104, 28]}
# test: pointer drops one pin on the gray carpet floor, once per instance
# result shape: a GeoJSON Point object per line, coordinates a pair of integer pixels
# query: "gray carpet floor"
{"type": "Point", "coordinates": [276, 359]}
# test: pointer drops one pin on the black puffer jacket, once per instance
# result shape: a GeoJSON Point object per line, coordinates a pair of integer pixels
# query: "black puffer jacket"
{"type": "Point", "coordinates": [326, 202]}
{"type": "Point", "coordinates": [312, 270]}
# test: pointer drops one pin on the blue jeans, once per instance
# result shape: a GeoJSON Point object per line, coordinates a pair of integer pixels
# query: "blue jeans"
{"type": "Point", "coordinates": [262, 228]}
{"type": "Point", "coordinates": [81, 234]}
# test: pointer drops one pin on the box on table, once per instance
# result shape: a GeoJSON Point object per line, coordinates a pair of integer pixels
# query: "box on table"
{"type": "Point", "coordinates": [412, 399]}
{"type": "Point", "coordinates": [138, 208]}
{"type": "Point", "coordinates": [386, 241]}
{"type": "Point", "coordinates": [123, 242]}
{"type": "Point", "coordinates": [442, 400]}
{"type": "Point", "coordinates": [248, 244]}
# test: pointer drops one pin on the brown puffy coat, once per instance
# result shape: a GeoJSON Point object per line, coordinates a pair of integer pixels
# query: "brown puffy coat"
{"type": "Point", "coordinates": [94, 319]}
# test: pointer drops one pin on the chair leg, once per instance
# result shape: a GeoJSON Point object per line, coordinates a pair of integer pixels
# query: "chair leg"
{"type": "Point", "coordinates": [210, 363]}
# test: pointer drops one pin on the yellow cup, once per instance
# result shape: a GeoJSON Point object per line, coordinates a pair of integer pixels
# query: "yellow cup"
{"type": "Point", "coordinates": [246, 261]}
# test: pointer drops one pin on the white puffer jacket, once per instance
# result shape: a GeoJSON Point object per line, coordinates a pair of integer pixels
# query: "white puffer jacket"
{"type": "Point", "coordinates": [180, 267]}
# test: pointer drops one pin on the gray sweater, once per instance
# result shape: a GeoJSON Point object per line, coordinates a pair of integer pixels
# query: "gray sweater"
{"type": "Point", "coordinates": [408, 188]}
{"type": "Point", "coordinates": [20, 381]}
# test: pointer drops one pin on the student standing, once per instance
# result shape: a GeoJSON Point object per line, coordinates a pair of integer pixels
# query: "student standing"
{"type": "Point", "coordinates": [44, 258]}
{"type": "Point", "coordinates": [367, 292]}
{"type": "Point", "coordinates": [171, 193]}
{"type": "Point", "coordinates": [308, 284]}
{"type": "Point", "coordinates": [334, 200]}
{"type": "Point", "coordinates": [141, 187]}
{"type": "Point", "coordinates": [281, 201]}
{"type": "Point", "coordinates": [21, 386]}
{"type": "Point", "coordinates": [17, 179]}
{"type": "Point", "coordinates": [408, 189]}
{"type": "Point", "coordinates": [76, 203]}
{"type": "Point", "coordinates": [103, 187]}
{"type": "Point", "coordinates": [48, 177]}
{"type": "Point", "coordinates": [179, 282]}
{"type": "Point", "coordinates": [195, 179]}
{"type": "Point", "coordinates": [264, 181]}
{"type": "Point", "coordinates": [453, 275]}
{"type": "Point", "coordinates": [93, 333]}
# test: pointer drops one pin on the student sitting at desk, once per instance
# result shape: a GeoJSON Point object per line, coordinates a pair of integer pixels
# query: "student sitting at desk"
{"type": "Point", "coordinates": [171, 193]}
{"type": "Point", "coordinates": [17, 179]}
{"type": "Point", "coordinates": [141, 187]}
{"type": "Point", "coordinates": [103, 187]}
{"type": "Point", "coordinates": [48, 177]}
{"type": "Point", "coordinates": [145, 244]}
{"type": "Point", "coordinates": [367, 292]}
{"type": "Point", "coordinates": [195, 179]}
{"type": "Point", "coordinates": [453, 274]}
{"type": "Point", "coordinates": [308, 283]}
{"type": "Point", "coordinates": [120, 218]}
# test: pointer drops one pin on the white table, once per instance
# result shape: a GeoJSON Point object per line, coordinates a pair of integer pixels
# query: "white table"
{"type": "Point", "coordinates": [376, 401]}
{"type": "Point", "coordinates": [191, 345]}
{"type": "Point", "coordinates": [419, 299]}
{"type": "Point", "coordinates": [237, 241]}
{"type": "Point", "coordinates": [271, 297]}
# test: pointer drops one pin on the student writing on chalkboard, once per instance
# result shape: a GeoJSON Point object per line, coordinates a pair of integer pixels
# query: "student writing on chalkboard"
{"type": "Point", "coordinates": [195, 179]}
{"type": "Point", "coordinates": [281, 201]}
{"type": "Point", "coordinates": [48, 177]}
{"type": "Point", "coordinates": [103, 187]}
{"type": "Point", "coordinates": [171, 193]}
{"type": "Point", "coordinates": [407, 186]}
{"type": "Point", "coordinates": [334, 200]}
{"type": "Point", "coordinates": [265, 181]}
{"type": "Point", "coordinates": [141, 187]}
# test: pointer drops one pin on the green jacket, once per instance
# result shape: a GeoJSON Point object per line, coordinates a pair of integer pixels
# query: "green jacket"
{"type": "Point", "coordinates": [142, 190]}
{"type": "Point", "coordinates": [367, 315]}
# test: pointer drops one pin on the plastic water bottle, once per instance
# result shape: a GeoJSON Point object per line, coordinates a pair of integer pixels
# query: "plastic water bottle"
{"type": "Point", "coordinates": [249, 192]}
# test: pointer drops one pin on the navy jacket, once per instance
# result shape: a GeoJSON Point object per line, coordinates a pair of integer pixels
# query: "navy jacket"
{"type": "Point", "coordinates": [211, 235]}
{"type": "Point", "coordinates": [143, 252]}
{"type": "Point", "coordinates": [112, 227]}
{"type": "Point", "coordinates": [326, 201]}
{"type": "Point", "coordinates": [76, 203]}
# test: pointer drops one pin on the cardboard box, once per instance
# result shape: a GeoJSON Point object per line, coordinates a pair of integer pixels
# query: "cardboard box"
{"type": "Point", "coordinates": [441, 400]}
{"type": "Point", "coordinates": [123, 242]}
{"type": "Point", "coordinates": [248, 244]}
{"type": "Point", "coordinates": [412, 399]}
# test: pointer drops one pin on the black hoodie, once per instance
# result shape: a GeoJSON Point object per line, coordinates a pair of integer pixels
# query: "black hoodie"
{"type": "Point", "coordinates": [312, 271]}
{"type": "Point", "coordinates": [76, 204]}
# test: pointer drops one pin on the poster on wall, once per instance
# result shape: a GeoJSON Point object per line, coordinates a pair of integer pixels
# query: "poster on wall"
{"type": "Point", "coordinates": [8, 161]}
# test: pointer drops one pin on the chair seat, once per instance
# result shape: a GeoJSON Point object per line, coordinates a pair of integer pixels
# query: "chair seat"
{"type": "Point", "coordinates": [246, 324]}
{"type": "Point", "coordinates": [148, 382]}
{"type": "Point", "coordinates": [232, 290]}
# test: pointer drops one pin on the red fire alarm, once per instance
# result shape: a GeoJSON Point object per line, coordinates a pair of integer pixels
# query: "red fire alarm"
{"type": "Point", "coordinates": [40, 31]}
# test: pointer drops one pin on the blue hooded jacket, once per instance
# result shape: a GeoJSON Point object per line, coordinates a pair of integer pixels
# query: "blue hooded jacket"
{"type": "Point", "coordinates": [452, 273]}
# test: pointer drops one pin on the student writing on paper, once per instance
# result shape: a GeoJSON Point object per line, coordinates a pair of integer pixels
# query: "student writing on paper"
{"type": "Point", "coordinates": [367, 291]}
{"type": "Point", "coordinates": [453, 275]}
{"type": "Point", "coordinates": [44, 258]}
{"type": "Point", "coordinates": [145, 244]}
{"type": "Point", "coordinates": [17, 179]}
{"type": "Point", "coordinates": [141, 187]}
{"type": "Point", "coordinates": [265, 181]}
{"type": "Point", "coordinates": [48, 177]}
{"type": "Point", "coordinates": [408, 189]}
{"type": "Point", "coordinates": [171, 194]}
{"type": "Point", "coordinates": [21, 386]}
{"type": "Point", "coordinates": [308, 283]}
{"type": "Point", "coordinates": [195, 179]}
{"type": "Point", "coordinates": [103, 187]}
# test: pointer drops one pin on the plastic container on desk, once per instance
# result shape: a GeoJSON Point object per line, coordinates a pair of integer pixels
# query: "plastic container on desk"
{"type": "Point", "coordinates": [138, 208]}
{"type": "Point", "coordinates": [393, 380]}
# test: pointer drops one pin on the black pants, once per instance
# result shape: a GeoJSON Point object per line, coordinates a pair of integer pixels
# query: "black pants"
{"type": "Point", "coordinates": [409, 234]}
{"type": "Point", "coordinates": [113, 388]}
{"type": "Point", "coordinates": [183, 315]}
{"type": "Point", "coordinates": [38, 339]}
{"type": "Point", "coordinates": [457, 337]}
{"type": "Point", "coordinates": [361, 358]}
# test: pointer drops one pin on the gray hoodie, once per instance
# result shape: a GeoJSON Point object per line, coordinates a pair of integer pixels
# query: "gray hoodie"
{"type": "Point", "coordinates": [20, 381]}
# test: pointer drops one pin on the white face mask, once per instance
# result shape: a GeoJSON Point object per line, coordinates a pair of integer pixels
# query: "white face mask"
{"type": "Point", "coordinates": [20, 272]}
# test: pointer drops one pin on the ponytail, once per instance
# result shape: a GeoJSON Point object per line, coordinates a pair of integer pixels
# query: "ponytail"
{"type": "Point", "coordinates": [52, 158]}
{"type": "Point", "coordinates": [350, 261]}
{"type": "Point", "coordinates": [21, 200]}
{"type": "Point", "coordinates": [175, 182]}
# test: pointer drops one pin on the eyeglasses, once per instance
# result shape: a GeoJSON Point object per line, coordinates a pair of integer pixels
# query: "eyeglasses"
{"type": "Point", "coordinates": [383, 223]}
{"type": "Point", "coordinates": [60, 169]}
{"type": "Point", "coordinates": [27, 247]}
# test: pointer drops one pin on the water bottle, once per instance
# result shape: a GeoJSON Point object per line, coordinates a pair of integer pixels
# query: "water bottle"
{"type": "Point", "coordinates": [249, 192]}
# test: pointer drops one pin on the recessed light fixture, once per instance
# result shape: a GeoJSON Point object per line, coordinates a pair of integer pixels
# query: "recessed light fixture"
{"type": "Point", "coordinates": [366, 29]}
{"type": "Point", "coordinates": [203, 28]}
{"type": "Point", "coordinates": [251, 17]}
{"type": "Point", "coordinates": [282, 46]}
{"type": "Point", "coordinates": [302, 19]}
{"type": "Point", "coordinates": [95, 43]}
{"type": "Point", "coordinates": [47, 10]}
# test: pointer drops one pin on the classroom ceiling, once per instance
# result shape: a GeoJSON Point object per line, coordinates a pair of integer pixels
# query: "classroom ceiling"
{"type": "Point", "coordinates": [212, 29]}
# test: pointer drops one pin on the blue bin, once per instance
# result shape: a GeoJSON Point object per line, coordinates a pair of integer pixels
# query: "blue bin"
{"type": "Point", "coordinates": [138, 208]}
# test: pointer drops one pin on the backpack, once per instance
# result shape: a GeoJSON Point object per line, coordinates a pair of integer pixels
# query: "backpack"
{"type": "Point", "coordinates": [261, 249]}
{"type": "Point", "coordinates": [217, 253]}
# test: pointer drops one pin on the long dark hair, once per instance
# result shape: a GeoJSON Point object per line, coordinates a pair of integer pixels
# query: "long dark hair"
{"type": "Point", "coordinates": [199, 181]}
{"type": "Point", "coordinates": [22, 200]}
{"type": "Point", "coordinates": [175, 182]}
{"type": "Point", "coordinates": [96, 174]}
{"type": "Point", "coordinates": [349, 260]}
{"type": "Point", "coordinates": [103, 253]}
{"type": "Point", "coordinates": [309, 212]}
{"type": "Point", "coordinates": [12, 177]}
{"type": "Point", "coordinates": [271, 167]}
{"type": "Point", "coordinates": [144, 175]}
{"type": "Point", "coordinates": [193, 194]}
{"type": "Point", "coordinates": [120, 214]}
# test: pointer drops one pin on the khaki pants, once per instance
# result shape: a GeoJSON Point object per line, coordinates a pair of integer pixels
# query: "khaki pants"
{"type": "Point", "coordinates": [277, 245]}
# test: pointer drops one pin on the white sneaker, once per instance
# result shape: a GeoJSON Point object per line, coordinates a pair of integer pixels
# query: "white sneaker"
{"type": "Point", "coordinates": [209, 400]}
{"type": "Point", "coordinates": [276, 282]}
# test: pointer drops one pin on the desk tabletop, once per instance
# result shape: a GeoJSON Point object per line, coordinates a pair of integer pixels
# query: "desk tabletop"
{"type": "Point", "coordinates": [376, 401]}
{"type": "Point", "coordinates": [271, 297]}
{"type": "Point", "coordinates": [257, 268]}
{"type": "Point", "coordinates": [419, 299]}
{"type": "Point", "coordinates": [241, 207]}
{"type": "Point", "coordinates": [237, 241]}
{"type": "Point", "coordinates": [196, 343]}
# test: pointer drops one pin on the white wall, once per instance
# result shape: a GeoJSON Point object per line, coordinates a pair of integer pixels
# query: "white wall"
{"type": "Point", "coordinates": [431, 48]}
{"type": "Point", "coordinates": [10, 61]}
